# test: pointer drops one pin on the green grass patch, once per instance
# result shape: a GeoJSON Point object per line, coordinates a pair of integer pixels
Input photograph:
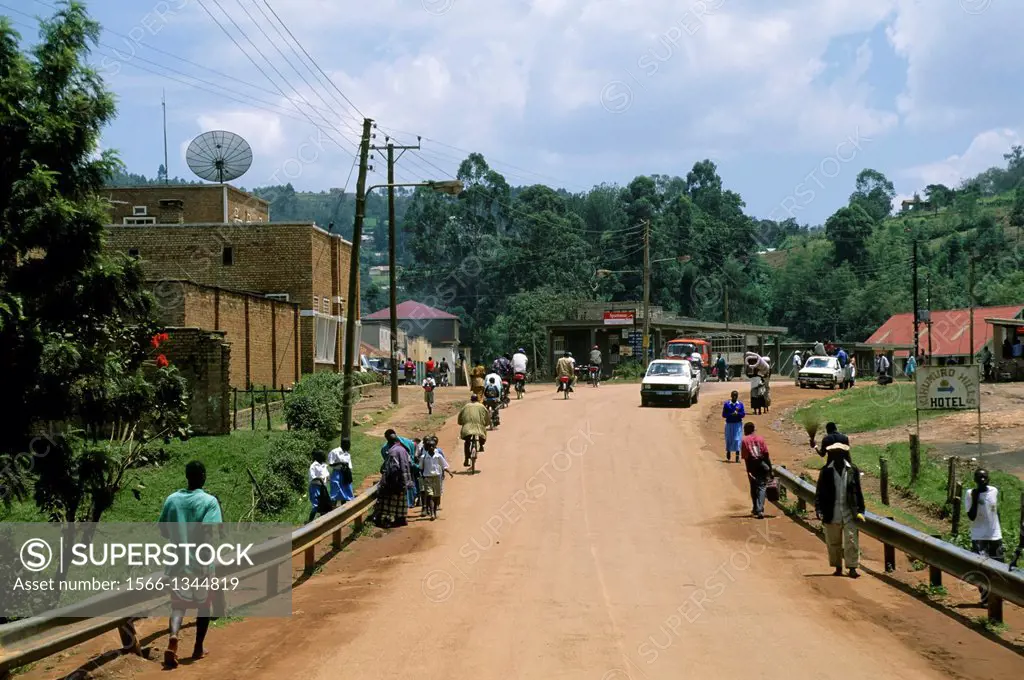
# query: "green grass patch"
{"type": "Point", "coordinates": [930, 488]}
{"type": "Point", "coordinates": [226, 459]}
{"type": "Point", "coordinates": [864, 409]}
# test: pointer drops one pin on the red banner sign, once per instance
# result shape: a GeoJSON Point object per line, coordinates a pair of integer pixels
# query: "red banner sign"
{"type": "Point", "coordinates": [618, 318]}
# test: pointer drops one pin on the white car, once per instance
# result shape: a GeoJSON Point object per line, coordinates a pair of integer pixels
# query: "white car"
{"type": "Point", "coordinates": [670, 380]}
{"type": "Point", "coordinates": [820, 372]}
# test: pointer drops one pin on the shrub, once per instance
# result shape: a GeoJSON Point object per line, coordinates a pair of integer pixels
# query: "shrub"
{"type": "Point", "coordinates": [315, 404]}
{"type": "Point", "coordinates": [289, 457]}
{"type": "Point", "coordinates": [630, 370]}
{"type": "Point", "coordinates": [274, 497]}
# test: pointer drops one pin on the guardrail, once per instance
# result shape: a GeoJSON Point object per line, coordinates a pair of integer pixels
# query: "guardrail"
{"type": "Point", "coordinates": [940, 556]}
{"type": "Point", "coordinates": [38, 637]}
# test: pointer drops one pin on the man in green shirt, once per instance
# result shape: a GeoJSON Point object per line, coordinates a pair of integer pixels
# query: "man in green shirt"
{"type": "Point", "coordinates": [181, 509]}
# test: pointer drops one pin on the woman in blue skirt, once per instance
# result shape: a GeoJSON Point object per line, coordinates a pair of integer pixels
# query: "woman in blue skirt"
{"type": "Point", "coordinates": [733, 413]}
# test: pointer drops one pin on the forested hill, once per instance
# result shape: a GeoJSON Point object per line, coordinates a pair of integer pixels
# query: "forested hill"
{"type": "Point", "coordinates": [507, 259]}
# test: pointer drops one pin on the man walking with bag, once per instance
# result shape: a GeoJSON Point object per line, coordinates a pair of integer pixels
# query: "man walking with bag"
{"type": "Point", "coordinates": [839, 504]}
{"type": "Point", "coordinates": [754, 450]}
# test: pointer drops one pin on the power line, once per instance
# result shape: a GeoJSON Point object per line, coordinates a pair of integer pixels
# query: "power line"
{"type": "Point", "coordinates": [289, 61]}
{"type": "Point", "coordinates": [313, 61]}
{"type": "Point", "coordinates": [260, 68]}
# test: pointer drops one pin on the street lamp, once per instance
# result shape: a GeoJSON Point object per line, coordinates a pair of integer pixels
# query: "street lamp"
{"type": "Point", "coordinates": [450, 187]}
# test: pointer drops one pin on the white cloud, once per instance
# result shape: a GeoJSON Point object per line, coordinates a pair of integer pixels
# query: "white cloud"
{"type": "Point", "coordinates": [522, 80]}
{"type": "Point", "coordinates": [986, 150]}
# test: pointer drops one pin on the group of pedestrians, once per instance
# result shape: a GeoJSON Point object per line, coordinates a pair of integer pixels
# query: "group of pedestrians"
{"type": "Point", "coordinates": [411, 474]}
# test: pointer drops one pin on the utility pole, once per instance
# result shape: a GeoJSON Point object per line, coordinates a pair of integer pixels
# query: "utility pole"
{"type": "Point", "coordinates": [352, 303]}
{"type": "Point", "coordinates": [725, 289]}
{"type": "Point", "coordinates": [647, 289]}
{"type": "Point", "coordinates": [917, 307]}
{"type": "Point", "coordinates": [928, 285]}
{"type": "Point", "coordinates": [392, 264]}
{"type": "Point", "coordinates": [970, 295]}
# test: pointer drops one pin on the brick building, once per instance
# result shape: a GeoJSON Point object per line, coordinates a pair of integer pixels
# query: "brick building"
{"type": "Point", "coordinates": [263, 333]}
{"type": "Point", "coordinates": [294, 262]}
{"type": "Point", "coordinates": [185, 203]}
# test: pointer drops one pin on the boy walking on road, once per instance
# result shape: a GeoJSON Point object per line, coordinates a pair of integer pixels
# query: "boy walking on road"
{"type": "Point", "coordinates": [434, 467]}
{"type": "Point", "coordinates": [759, 468]}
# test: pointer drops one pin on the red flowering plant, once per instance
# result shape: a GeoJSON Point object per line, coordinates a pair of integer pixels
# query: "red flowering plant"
{"type": "Point", "coordinates": [161, 358]}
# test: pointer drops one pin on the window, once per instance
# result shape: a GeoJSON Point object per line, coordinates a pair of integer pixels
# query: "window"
{"type": "Point", "coordinates": [227, 256]}
{"type": "Point", "coordinates": [139, 210]}
{"type": "Point", "coordinates": [667, 369]}
{"type": "Point", "coordinates": [133, 252]}
{"type": "Point", "coordinates": [140, 220]}
{"type": "Point", "coordinates": [325, 304]}
{"type": "Point", "coordinates": [316, 303]}
{"type": "Point", "coordinates": [280, 297]}
{"type": "Point", "coordinates": [326, 338]}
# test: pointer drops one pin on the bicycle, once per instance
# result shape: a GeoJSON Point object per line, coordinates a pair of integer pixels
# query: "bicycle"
{"type": "Point", "coordinates": [473, 445]}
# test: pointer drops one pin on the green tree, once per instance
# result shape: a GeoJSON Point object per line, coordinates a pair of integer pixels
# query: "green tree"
{"type": "Point", "coordinates": [874, 193]}
{"type": "Point", "coordinates": [75, 323]}
{"type": "Point", "coordinates": [849, 229]}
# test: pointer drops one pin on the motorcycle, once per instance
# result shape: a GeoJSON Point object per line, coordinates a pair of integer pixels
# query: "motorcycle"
{"type": "Point", "coordinates": [520, 381]}
{"type": "Point", "coordinates": [410, 375]}
{"type": "Point", "coordinates": [443, 382]}
{"type": "Point", "coordinates": [505, 399]}
{"type": "Point", "coordinates": [595, 376]}
{"type": "Point", "coordinates": [494, 405]}
{"type": "Point", "coordinates": [563, 385]}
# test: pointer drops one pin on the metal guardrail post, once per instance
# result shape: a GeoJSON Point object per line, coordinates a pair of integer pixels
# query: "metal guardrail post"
{"type": "Point", "coordinates": [272, 574]}
{"type": "Point", "coordinates": [889, 556]}
{"type": "Point", "coordinates": [995, 608]}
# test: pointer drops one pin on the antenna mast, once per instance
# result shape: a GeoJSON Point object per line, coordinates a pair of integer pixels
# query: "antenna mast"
{"type": "Point", "coordinates": [163, 103]}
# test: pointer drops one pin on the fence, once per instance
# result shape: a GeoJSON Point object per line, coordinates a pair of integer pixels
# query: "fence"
{"type": "Point", "coordinates": [38, 637]}
{"type": "Point", "coordinates": [262, 402]}
{"type": "Point", "coordinates": [940, 556]}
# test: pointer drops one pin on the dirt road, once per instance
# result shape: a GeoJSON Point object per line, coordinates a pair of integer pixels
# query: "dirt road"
{"type": "Point", "coordinates": [599, 541]}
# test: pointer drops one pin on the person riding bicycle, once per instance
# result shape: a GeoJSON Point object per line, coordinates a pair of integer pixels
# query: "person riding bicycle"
{"type": "Point", "coordinates": [595, 358]}
{"type": "Point", "coordinates": [566, 366]}
{"type": "Point", "coordinates": [474, 420]}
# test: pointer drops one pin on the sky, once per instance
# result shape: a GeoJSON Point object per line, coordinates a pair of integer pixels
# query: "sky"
{"type": "Point", "coordinates": [790, 98]}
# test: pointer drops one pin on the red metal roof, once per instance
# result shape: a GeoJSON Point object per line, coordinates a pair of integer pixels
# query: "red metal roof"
{"type": "Point", "coordinates": [371, 352]}
{"type": "Point", "coordinates": [410, 309]}
{"type": "Point", "coordinates": [950, 330]}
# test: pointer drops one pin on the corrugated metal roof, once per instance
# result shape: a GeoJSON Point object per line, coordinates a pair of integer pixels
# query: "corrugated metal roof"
{"type": "Point", "coordinates": [949, 330]}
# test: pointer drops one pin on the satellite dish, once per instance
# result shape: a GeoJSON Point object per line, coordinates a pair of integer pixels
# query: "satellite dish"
{"type": "Point", "coordinates": [219, 156]}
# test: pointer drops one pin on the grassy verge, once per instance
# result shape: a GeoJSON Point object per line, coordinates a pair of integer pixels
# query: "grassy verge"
{"type": "Point", "coordinates": [865, 408]}
{"type": "Point", "coordinates": [930, 489]}
{"type": "Point", "coordinates": [226, 458]}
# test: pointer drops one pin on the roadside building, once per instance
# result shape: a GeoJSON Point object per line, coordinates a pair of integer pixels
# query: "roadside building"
{"type": "Point", "coordinates": [239, 252]}
{"type": "Point", "coordinates": [946, 335]}
{"type": "Point", "coordinates": [423, 332]}
{"type": "Point", "coordinates": [617, 330]}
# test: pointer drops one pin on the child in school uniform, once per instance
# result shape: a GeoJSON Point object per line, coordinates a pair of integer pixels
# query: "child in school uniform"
{"type": "Point", "coordinates": [340, 462]}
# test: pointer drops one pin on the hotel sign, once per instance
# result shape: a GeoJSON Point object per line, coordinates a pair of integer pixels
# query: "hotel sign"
{"type": "Point", "coordinates": [947, 388]}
